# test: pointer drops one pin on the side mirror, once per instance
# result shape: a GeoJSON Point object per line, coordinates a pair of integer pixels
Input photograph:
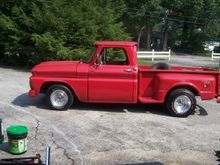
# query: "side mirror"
{"type": "Point", "coordinates": [96, 65]}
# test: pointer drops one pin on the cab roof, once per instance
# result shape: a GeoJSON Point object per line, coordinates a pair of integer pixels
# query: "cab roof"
{"type": "Point", "coordinates": [116, 43]}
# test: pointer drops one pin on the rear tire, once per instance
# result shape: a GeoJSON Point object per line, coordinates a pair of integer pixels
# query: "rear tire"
{"type": "Point", "coordinates": [181, 103]}
{"type": "Point", "coordinates": [59, 97]}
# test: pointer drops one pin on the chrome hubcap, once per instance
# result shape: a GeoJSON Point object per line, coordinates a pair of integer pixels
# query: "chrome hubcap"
{"type": "Point", "coordinates": [182, 104]}
{"type": "Point", "coordinates": [58, 98]}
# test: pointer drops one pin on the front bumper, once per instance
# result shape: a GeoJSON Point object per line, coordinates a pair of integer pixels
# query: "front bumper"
{"type": "Point", "coordinates": [32, 93]}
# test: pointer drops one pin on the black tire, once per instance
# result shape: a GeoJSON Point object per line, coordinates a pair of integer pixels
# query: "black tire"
{"type": "Point", "coordinates": [160, 65]}
{"type": "Point", "coordinates": [66, 91]}
{"type": "Point", "coordinates": [176, 96]}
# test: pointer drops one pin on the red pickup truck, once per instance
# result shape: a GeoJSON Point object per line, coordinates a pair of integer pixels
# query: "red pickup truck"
{"type": "Point", "coordinates": [112, 75]}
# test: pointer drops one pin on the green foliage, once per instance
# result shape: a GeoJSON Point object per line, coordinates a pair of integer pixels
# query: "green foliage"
{"type": "Point", "coordinates": [189, 23]}
{"type": "Point", "coordinates": [37, 30]}
{"type": "Point", "coordinates": [40, 30]}
{"type": "Point", "coordinates": [193, 23]}
{"type": "Point", "coordinates": [140, 16]}
{"type": "Point", "coordinates": [142, 12]}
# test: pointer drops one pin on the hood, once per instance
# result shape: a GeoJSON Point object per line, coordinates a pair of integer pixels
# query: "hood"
{"type": "Point", "coordinates": [56, 69]}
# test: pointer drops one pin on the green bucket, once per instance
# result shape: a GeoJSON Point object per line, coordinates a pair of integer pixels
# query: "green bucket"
{"type": "Point", "coordinates": [17, 139]}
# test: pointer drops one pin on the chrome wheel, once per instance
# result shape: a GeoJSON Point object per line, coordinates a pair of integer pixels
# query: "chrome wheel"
{"type": "Point", "coordinates": [182, 104]}
{"type": "Point", "coordinates": [58, 98]}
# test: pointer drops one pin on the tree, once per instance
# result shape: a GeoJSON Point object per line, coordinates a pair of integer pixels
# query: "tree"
{"type": "Point", "coordinates": [211, 16]}
{"type": "Point", "coordinates": [60, 29]}
{"type": "Point", "coordinates": [170, 9]}
{"type": "Point", "coordinates": [141, 14]}
{"type": "Point", "coordinates": [36, 30]}
{"type": "Point", "coordinates": [191, 22]}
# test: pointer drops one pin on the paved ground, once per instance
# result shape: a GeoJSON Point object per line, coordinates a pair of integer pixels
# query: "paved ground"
{"type": "Point", "coordinates": [194, 61]}
{"type": "Point", "coordinates": [109, 134]}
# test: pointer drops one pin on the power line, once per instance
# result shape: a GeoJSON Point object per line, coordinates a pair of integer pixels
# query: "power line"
{"type": "Point", "coordinates": [192, 21]}
{"type": "Point", "coordinates": [177, 20]}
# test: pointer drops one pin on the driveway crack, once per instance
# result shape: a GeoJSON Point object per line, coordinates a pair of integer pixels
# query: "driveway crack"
{"type": "Point", "coordinates": [64, 150]}
{"type": "Point", "coordinates": [36, 128]}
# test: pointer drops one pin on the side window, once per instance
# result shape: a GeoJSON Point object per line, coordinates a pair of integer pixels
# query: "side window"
{"type": "Point", "coordinates": [113, 56]}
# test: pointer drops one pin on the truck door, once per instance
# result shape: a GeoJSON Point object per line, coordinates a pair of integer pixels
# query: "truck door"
{"type": "Point", "coordinates": [111, 78]}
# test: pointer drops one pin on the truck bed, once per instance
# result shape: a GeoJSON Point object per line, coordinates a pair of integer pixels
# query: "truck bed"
{"type": "Point", "coordinates": [154, 84]}
{"type": "Point", "coordinates": [180, 69]}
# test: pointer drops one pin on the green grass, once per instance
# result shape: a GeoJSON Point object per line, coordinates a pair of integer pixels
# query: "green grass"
{"type": "Point", "coordinates": [149, 61]}
{"type": "Point", "coordinates": [205, 54]}
{"type": "Point", "coordinates": [217, 68]}
{"type": "Point", "coordinates": [145, 62]}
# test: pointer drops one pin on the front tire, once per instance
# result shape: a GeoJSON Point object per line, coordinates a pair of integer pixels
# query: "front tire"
{"type": "Point", "coordinates": [59, 97]}
{"type": "Point", "coordinates": [181, 103]}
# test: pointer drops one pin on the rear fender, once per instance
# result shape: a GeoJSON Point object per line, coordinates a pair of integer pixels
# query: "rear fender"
{"type": "Point", "coordinates": [205, 95]}
{"type": "Point", "coordinates": [191, 87]}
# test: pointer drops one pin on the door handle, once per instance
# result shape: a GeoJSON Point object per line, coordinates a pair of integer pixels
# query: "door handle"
{"type": "Point", "coordinates": [127, 70]}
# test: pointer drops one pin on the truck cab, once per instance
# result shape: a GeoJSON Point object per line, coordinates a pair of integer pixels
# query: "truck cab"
{"type": "Point", "coordinates": [113, 73]}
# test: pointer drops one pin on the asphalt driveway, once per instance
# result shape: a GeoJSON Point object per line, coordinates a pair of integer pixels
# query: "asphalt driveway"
{"type": "Point", "coordinates": [109, 134]}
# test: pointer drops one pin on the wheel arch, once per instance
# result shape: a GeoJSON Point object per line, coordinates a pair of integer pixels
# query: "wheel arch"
{"type": "Point", "coordinates": [46, 85]}
{"type": "Point", "coordinates": [191, 88]}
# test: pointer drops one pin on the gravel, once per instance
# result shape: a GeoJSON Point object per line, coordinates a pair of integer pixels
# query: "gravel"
{"type": "Point", "coordinates": [110, 134]}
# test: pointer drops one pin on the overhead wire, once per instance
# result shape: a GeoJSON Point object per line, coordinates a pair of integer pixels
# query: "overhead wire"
{"type": "Point", "coordinates": [174, 17]}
